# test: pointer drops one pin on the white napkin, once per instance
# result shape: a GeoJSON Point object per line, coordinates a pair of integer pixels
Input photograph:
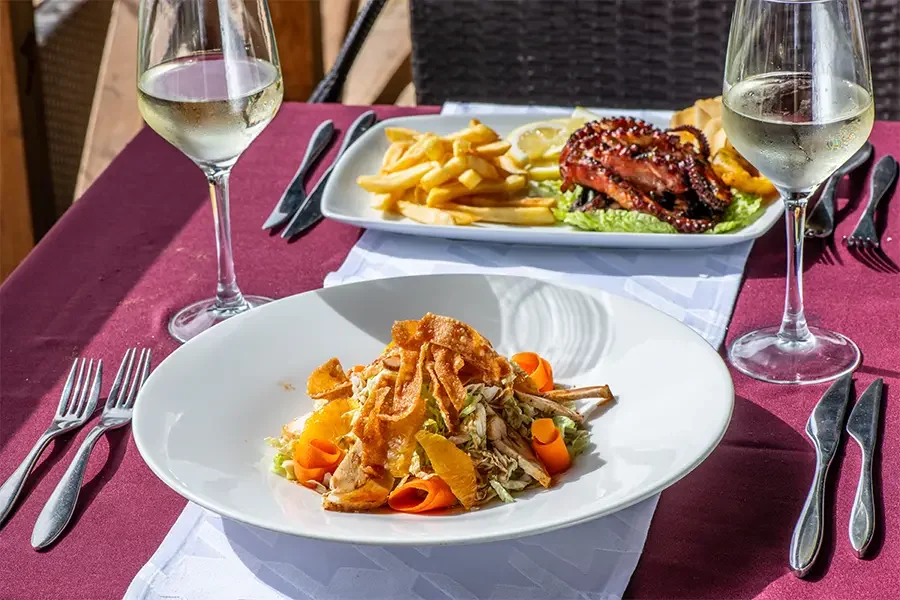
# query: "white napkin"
{"type": "Point", "coordinates": [205, 557]}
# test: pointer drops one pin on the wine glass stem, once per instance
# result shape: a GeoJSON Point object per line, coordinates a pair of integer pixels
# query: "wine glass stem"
{"type": "Point", "coordinates": [228, 295]}
{"type": "Point", "coordinates": [793, 323]}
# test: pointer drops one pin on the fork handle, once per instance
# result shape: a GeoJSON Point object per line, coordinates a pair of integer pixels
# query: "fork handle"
{"type": "Point", "coordinates": [12, 487]}
{"type": "Point", "coordinates": [59, 508]}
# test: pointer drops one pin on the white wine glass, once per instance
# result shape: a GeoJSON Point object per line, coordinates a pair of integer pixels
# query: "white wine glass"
{"type": "Point", "coordinates": [797, 103]}
{"type": "Point", "coordinates": [209, 82]}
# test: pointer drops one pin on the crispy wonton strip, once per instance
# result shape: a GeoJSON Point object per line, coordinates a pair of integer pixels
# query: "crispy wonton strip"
{"type": "Point", "coordinates": [407, 389]}
{"type": "Point", "coordinates": [404, 334]}
{"type": "Point", "coordinates": [445, 362]}
{"type": "Point", "coordinates": [462, 339]}
{"type": "Point", "coordinates": [326, 379]}
{"type": "Point", "coordinates": [448, 411]}
{"type": "Point", "coordinates": [401, 432]}
{"type": "Point", "coordinates": [370, 430]}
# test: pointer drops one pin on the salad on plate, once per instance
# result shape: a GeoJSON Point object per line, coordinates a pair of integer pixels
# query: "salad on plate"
{"type": "Point", "coordinates": [438, 420]}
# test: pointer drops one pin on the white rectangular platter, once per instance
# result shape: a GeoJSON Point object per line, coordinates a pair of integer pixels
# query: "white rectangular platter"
{"type": "Point", "coordinates": [345, 201]}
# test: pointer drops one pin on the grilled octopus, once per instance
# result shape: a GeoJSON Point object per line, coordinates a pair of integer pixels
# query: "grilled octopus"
{"type": "Point", "coordinates": [638, 167]}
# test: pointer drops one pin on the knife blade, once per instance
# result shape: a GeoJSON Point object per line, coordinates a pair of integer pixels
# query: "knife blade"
{"type": "Point", "coordinates": [863, 427]}
{"type": "Point", "coordinates": [295, 193]}
{"type": "Point", "coordinates": [310, 212]}
{"type": "Point", "coordinates": [824, 429]}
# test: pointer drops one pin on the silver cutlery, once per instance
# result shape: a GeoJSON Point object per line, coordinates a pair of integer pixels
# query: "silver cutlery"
{"type": "Point", "coordinates": [310, 212]}
{"type": "Point", "coordinates": [862, 426]}
{"type": "Point", "coordinates": [883, 177]}
{"type": "Point", "coordinates": [824, 429]}
{"type": "Point", "coordinates": [117, 412]}
{"type": "Point", "coordinates": [820, 222]}
{"type": "Point", "coordinates": [76, 403]}
{"type": "Point", "coordinates": [295, 193]}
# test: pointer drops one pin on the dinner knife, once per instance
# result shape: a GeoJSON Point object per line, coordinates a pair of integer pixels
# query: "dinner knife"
{"type": "Point", "coordinates": [863, 427]}
{"type": "Point", "coordinates": [824, 429]}
{"type": "Point", "coordinates": [295, 193]}
{"type": "Point", "coordinates": [310, 212]}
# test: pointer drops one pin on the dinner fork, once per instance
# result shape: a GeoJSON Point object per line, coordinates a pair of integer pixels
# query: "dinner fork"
{"type": "Point", "coordinates": [883, 177]}
{"type": "Point", "coordinates": [119, 405]}
{"type": "Point", "coordinates": [76, 404]}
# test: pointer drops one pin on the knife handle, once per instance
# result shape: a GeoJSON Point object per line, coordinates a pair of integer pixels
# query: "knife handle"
{"type": "Point", "coordinates": [883, 177]}
{"type": "Point", "coordinates": [807, 538]}
{"type": "Point", "coordinates": [862, 516]}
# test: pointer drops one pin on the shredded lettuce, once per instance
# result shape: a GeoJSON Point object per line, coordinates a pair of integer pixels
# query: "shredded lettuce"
{"type": "Point", "coordinates": [745, 209]}
{"type": "Point", "coordinates": [576, 439]}
{"type": "Point", "coordinates": [469, 407]}
{"type": "Point", "coordinates": [504, 495]}
{"type": "Point", "coordinates": [434, 420]}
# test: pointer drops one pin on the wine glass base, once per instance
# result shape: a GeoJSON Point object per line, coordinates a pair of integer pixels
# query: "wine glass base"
{"type": "Point", "coordinates": [763, 355]}
{"type": "Point", "coordinates": [193, 320]}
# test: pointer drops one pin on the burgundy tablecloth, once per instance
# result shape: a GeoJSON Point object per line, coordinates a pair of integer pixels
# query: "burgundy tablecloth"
{"type": "Point", "coordinates": [139, 245]}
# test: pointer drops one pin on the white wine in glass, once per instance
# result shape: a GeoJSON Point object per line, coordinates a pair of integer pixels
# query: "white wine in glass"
{"type": "Point", "coordinates": [797, 104]}
{"type": "Point", "coordinates": [209, 82]}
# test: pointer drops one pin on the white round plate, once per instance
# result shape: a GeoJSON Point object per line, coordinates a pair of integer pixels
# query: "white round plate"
{"type": "Point", "coordinates": [200, 420]}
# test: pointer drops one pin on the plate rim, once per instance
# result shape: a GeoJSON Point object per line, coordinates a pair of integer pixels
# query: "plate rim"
{"type": "Point", "coordinates": [375, 540]}
{"type": "Point", "coordinates": [522, 235]}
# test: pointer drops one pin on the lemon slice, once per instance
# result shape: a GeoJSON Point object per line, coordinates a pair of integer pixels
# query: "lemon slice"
{"type": "Point", "coordinates": [539, 140]}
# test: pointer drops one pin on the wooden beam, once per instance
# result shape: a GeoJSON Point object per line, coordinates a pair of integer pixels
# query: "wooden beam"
{"type": "Point", "coordinates": [115, 118]}
{"type": "Point", "coordinates": [383, 62]}
{"type": "Point", "coordinates": [26, 195]}
{"type": "Point", "coordinates": [298, 33]}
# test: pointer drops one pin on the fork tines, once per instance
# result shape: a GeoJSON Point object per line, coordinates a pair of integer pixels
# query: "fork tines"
{"type": "Point", "coordinates": [83, 398]}
{"type": "Point", "coordinates": [122, 394]}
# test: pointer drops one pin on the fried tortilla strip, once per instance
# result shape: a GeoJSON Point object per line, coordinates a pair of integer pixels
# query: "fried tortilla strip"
{"type": "Point", "coordinates": [328, 381]}
{"type": "Point", "coordinates": [408, 387]}
{"type": "Point", "coordinates": [372, 431]}
{"type": "Point", "coordinates": [598, 391]}
{"type": "Point", "coordinates": [406, 414]}
{"type": "Point", "coordinates": [405, 335]}
{"type": "Point", "coordinates": [445, 362]}
{"type": "Point", "coordinates": [465, 341]}
{"type": "Point", "coordinates": [448, 411]}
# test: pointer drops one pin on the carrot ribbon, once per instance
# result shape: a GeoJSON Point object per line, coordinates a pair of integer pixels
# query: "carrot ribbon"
{"type": "Point", "coordinates": [549, 445]}
{"type": "Point", "coordinates": [420, 495]}
{"type": "Point", "coordinates": [537, 368]}
{"type": "Point", "coordinates": [312, 460]}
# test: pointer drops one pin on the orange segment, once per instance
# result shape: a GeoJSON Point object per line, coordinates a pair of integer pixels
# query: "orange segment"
{"type": "Point", "coordinates": [450, 464]}
{"type": "Point", "coordinates": [330, 423]}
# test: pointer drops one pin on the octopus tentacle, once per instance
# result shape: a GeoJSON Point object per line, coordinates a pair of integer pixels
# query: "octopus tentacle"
{"type": "Point", "coordinates": [701, 137]}
{"type": "Point", "coordinates": [634, 164]}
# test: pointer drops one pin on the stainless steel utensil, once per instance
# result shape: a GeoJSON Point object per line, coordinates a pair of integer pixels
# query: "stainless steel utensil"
{"type": "Point", "coordinates": [883, 176]}
{"type": "Point", "coordinates": [824, 429]}
{"type": "Point", "coordinates": [862, 426]}
{"type": "Point", "coordinates": [77, 402]}
{"type": "Point", "coordinates": [820, 222]}
{"type": "Point", "coordinates": [119, 404]}
{"type": "Point", "coordinates": [295, 193]}
{"type": "Point", "coordinates": [311, 212]}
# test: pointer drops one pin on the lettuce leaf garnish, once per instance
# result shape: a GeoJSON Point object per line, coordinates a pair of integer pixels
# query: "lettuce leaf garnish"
{"type": "Point", "coordinates": [745, 209]}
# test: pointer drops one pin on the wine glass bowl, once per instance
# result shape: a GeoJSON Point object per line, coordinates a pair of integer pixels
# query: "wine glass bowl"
{"type": "Point", "coordinates": [797, 103]}
{"type": "Point", "coordinates": [209, 82]}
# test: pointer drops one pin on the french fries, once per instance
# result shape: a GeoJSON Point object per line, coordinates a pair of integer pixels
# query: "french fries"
{"type": "Point", "coordinates": [456, 179]}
